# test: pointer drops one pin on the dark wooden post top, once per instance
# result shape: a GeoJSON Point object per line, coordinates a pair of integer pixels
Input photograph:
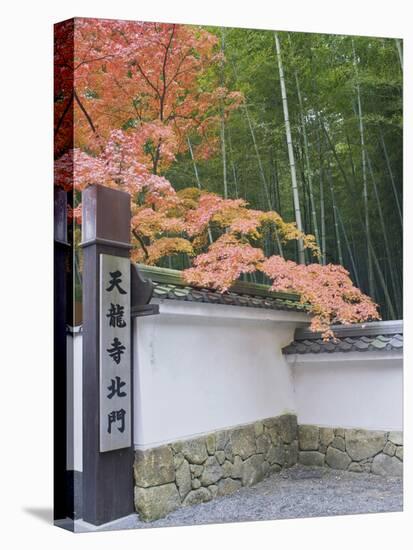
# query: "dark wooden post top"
{"type": "Point", "coordinates": [60, 216]}
{"type": "Point", "coordinates": [105, 217]}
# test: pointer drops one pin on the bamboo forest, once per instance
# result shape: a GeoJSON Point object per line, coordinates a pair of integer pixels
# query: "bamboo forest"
{"type": "Point", "coordinates": [274, 157]}
{"type": "Point", "coordinates": [319, 140]}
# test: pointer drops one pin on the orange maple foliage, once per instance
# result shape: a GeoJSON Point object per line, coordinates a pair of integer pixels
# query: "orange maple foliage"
{"type": "Point", "coordinates": [143, 77]}
{"type": "Point", "coordinates": [327, 290]}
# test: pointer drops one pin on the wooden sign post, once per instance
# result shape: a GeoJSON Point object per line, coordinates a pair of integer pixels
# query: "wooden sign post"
{"type": "Point", "coordinates": [63, 489]}
{"type": "Point", "coordinates": [107, 375]}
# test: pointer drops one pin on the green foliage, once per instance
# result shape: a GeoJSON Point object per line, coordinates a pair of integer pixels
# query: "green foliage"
{"type": "Point", "coordinates": [328, 75]}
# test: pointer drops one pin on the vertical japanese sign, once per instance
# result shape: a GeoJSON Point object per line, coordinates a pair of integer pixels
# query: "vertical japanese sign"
{"type": "Point", "coordinates": [115, 353]}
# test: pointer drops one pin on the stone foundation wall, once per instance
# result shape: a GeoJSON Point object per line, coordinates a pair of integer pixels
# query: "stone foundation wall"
{"type": "Point", "coordinates": [356, 450]}
{"type": "Point", "coordinates": [196, 470]}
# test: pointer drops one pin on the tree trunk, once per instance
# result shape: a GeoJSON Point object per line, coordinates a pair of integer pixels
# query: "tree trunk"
{"type": "Point", "coordinates": [350, 253]}
{"type": "Point", "coordinates": [383, 284]}
{"type": "Point", "coordinates": [322, 206]}
{"type": "Point", "coordinates": [400, 52]}
{"type": "Point", "coordinates": [393, 184]}
{"type": "Point", "coordinates": [234, 172]}
{"type": "Point", "coordinates": [307, 164]}
{"type": "Point", "coordinates": [260, 166]}
{"type": "Point", "coordinates": [224, 157]}
{"type": "Point", "coordinates": [296, 198]}
{"type": "Point", "coordinates": [223, 150]}
{"type": "Point", "coordinates": [277, 186]}
{"type": "Point", "coordinates": [353, 170]}
{"type": "Point", "coordinates": [362, 223]}
{"type": "Point", "coordinates": [194, 164]}
{"type": "Point", "coordinates": [387, 248]}
{"type": "Point", "coordinates": [198, 182]}
{"type": "Point", "coordinates": [335, 215]}
{"type": "Point", "coordinates": [370, 274]}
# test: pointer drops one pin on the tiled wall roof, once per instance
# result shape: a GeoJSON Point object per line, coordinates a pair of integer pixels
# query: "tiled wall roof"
{"type": "Point", "coordinates": [168, 284]}
{"type": "Point", "coordinates": [380, 336]}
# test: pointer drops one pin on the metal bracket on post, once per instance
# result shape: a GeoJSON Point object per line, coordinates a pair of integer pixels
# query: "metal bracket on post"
{"type": "Point", "coordinates": [142, 291]}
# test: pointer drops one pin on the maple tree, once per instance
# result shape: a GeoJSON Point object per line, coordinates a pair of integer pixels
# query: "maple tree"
{"type": "Point", "coordinates": [141, 77]}
{"type": "Point", "coordinates": [134, 93]}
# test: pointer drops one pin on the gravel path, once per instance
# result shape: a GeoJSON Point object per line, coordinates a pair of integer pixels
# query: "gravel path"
{"type": "Point", "coordinates": [294, 493]}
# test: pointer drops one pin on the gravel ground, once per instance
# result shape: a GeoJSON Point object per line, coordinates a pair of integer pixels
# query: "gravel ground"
{"type": "Point", "coordinates": [298, 492]}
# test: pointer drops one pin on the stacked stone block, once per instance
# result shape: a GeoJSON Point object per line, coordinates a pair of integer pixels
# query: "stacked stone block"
{"type": "Point", "coordinates": [196, 470]}
{"type": "Point", "coordinates": [356, 450]}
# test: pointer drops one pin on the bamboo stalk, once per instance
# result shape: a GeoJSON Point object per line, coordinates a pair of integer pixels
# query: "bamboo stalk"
{"type": "Point", "coordinates": [321, 188]}
{"type": "Point", "coordinates": [335, 215]}
{"type": "Point", "coordinates": [383, 284]}
{"type": "Point", "coordinates": [307, 163]}
{"type": "Point", "coordinates": [350, 253]}
{"type": "Point", "coordinates": [222, 133]}
{"type": "Point", "coordinates": [296, 198]}
{"type": "Point", "coordinates": [364, 173]}
{"type": "Point", "coordinates": [393, 184]}
{"type": "Point", "coordinates": [198, 181]}
{"type": "Point", "coordinates": [385, 236]}
{"type": "Point", "coordinates": [356, 203]}
{"type": "Point", "coordinates": [234, 173]}
{"type": "Point", "coordinates": [260, 165]}
{"type": "Point", "coordinates": [277, 185]}
{"type": "Point", "coordinates": [194, 163]}
{"type": "Point", "coordinates": [400, 52]}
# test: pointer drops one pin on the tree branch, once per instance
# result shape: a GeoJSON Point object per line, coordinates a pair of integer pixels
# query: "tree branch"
{"type": "Point", "coordinates": [140, 240]}
{"type": "Point", "coordinates": [147, 80]}
{"type": "Point", "coordinates": [85, 112]}
{"type": "Point", "coordinates": [162, 98]}
{"type": "Point", "coordinates": [66, 109]}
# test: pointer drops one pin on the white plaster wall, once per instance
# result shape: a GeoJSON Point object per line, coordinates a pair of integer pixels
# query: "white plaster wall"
{"type": "Point", "coordinates": [202, 367]}
{"type": "Point", "coordinates": [199, 368]}
{"type": "Point", "coordinates": [363, 390]}
{"type": "Point", "coordinates": [74, 401]}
